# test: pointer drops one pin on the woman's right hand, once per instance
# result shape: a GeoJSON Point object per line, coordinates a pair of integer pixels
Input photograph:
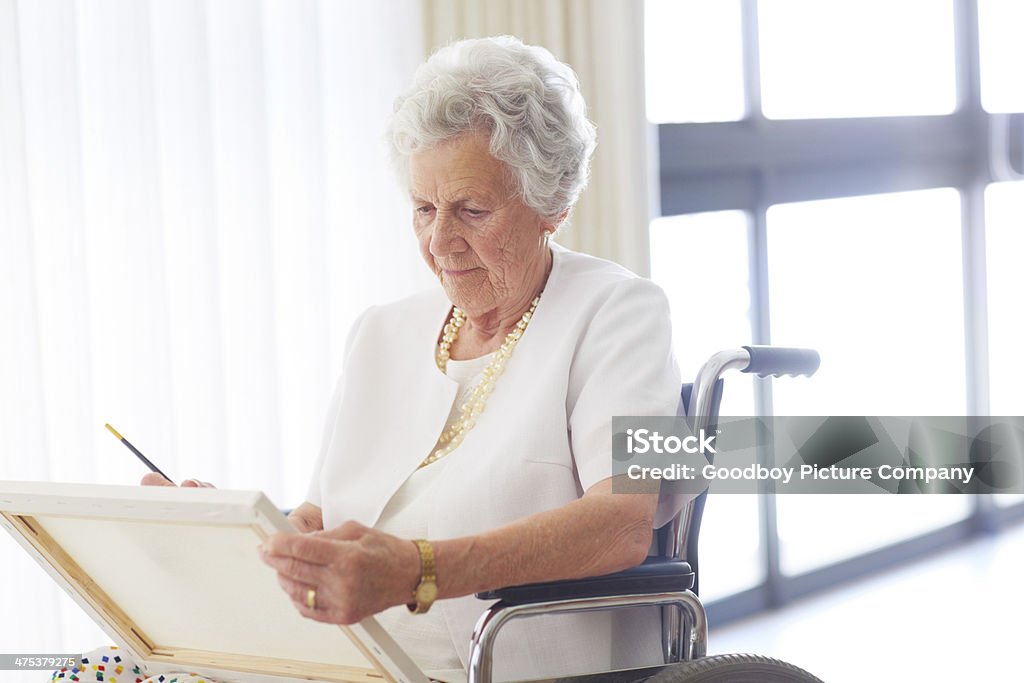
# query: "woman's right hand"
{"type": "Point", "coordinates": [154, 479]}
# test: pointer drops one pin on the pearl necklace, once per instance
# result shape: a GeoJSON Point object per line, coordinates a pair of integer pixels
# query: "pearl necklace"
{"type": "Point", "coordinates": [477, 401]}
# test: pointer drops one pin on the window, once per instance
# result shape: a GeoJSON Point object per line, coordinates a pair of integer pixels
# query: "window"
{"type": "Point", "coordinates": [869, 58]}
{"type": "Point", "coordinates": [846, 278]}
{"type": "Point", "coordinates": [1004, 239]}
{"type": "Point", "coordinates": [1000, 23]}
{"type": "Point", "coordinates": [701, 262]}
{"type": "Point", "coordinates": [845, 204]}
{"type": "Point", "coordinates": [694, 60]}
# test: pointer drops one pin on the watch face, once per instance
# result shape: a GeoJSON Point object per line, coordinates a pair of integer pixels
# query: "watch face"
{"type": "Point", "coordinates": [426, 593]}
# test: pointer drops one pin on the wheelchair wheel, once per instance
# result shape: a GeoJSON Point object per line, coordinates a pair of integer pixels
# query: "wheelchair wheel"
{"type": "Point", "coordinates": [733, 669]}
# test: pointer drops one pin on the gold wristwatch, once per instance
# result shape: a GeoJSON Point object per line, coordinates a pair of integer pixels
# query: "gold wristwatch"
{"type": "Point", "coordinates": [426, 590]}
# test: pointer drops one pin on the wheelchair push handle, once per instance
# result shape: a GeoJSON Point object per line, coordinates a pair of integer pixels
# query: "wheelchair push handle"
{"type": "Point", "coordinates": [778, 361]}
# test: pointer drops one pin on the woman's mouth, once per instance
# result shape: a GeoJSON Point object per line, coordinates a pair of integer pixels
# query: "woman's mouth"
{"type": "Point", "coordinates": [454, 272]}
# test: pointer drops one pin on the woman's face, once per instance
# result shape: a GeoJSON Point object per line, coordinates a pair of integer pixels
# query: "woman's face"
{"type": "Point", "coordinates": [482, 242]}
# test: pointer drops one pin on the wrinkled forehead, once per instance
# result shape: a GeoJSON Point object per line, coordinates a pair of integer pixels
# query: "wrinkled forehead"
{"type": "Point", "coordinates": [457, 166]}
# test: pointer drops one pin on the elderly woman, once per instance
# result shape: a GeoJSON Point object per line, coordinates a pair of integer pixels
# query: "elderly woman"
{"type": "Point", "coordinates": [468, 444]}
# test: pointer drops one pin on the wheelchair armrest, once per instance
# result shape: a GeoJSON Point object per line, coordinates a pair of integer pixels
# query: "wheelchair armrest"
{"type": "Point", "coordinates": [655, 575]}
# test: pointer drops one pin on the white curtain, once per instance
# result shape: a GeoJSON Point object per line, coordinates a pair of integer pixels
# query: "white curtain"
{"type": "Point", "coordinates": [194, 204]}
{"type": "Point", "coordinates": [603, 41]}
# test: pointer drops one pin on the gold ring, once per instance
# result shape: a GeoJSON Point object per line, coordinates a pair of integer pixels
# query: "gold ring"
{"type": "Point", "coordinates": [311, 598]}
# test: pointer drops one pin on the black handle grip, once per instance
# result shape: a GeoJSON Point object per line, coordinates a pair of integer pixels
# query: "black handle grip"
{"type": "Point", "coordinates": [777, 361]}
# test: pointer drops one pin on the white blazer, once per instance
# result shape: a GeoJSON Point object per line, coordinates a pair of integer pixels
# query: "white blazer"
{"type": "Point", "coordinates": [599, 345]}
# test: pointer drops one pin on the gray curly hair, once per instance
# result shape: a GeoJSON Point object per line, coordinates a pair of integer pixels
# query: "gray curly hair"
{"type": "Point", "coordinates": [526, 100]}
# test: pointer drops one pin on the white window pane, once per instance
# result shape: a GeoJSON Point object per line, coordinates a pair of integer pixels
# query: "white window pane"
{"type": "Point", "coordinates": [1004, 241]}
{"type": "Point", "coordinates": [694, 59]}
{"type": "Point", "coordinates": [1004, 237]}
{"type": "Point", "coordinates": [701, 262]}
{"type": "Point", "coordinates": [875, 285]}
{"type": "Point", "coordinates": [730, 548]}
{"type": "Point", "coordinates": [1001, 30]}
{"type": "Point", "coordinates": [852, 59]}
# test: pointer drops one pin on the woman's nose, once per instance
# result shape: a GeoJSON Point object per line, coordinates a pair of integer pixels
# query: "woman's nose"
{"type": "Point", "coordinates": [445, 239]}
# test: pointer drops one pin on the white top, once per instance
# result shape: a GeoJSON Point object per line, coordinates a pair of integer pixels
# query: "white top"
{"type": "Point", "coordinates": [598, 345]}
{"type": "Point", "coordinates": [425, 637]}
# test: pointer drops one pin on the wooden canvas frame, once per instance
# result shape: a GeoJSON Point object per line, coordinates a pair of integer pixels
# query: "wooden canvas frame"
{"type": "Point", "coordinates": [68, 527]}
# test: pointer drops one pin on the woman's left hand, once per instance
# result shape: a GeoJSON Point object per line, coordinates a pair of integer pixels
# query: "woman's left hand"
{"type": "Point", "coordinates": [355, 570]}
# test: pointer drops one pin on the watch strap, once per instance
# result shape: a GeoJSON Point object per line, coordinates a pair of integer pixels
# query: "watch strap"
{"type": "Point", "coordinates": [426, 590]}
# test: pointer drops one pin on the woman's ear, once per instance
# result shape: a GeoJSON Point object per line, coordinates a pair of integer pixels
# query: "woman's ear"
{"type": "Point", "coordinates": [552, 227]}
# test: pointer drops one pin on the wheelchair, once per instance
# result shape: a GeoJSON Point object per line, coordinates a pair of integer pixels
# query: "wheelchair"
{"type": "Point", "coordinates": [668, 579]}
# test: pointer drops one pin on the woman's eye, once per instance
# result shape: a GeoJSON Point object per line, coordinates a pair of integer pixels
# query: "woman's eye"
{"type": "Point", "coordinates": [424, 210]}
{"type": "Point", "coordinates": [476, 213]}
